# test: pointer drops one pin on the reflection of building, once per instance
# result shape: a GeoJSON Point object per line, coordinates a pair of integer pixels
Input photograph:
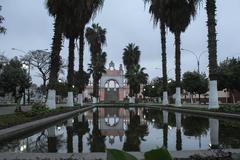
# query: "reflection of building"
{"type": "Point", "coordinates": [113, 85]}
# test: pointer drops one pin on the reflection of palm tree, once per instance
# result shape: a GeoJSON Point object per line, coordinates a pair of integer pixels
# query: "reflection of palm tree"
{"type": "Point", "coordinates": [96, 140]}
{"type": "Point", "coordinates": [178, 139]}
{"type": "Point", "coordinates": [165, 135]}
{"type": "Point", "coordinates": [195, 126]}
{"type": "Point", "coordinates": [135, 133]}
{"type": "Point", "coordinates": [69, 139]}
{"type": "Point", "coordinates": [82, 128]}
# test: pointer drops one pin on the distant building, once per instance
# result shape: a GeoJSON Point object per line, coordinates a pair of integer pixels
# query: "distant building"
{"type": "Point", "coordinates": [113, 85]}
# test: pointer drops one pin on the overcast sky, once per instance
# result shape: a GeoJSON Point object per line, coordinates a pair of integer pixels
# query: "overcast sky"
{"type": "Point", "coordinates": [29, 27]}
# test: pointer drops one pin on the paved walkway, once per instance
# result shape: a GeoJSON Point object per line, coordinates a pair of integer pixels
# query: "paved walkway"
{"type": "Point", "coordinates": [11, 109]}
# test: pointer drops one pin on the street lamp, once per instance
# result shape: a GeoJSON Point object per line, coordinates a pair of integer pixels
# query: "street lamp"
{"type": "Point", "coordinates": [197, 56]}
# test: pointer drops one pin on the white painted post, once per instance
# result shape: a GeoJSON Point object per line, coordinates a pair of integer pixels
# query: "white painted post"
{"type": "Point", "coordinates": [51, 99]}
{"type": "Point", "coordinates": [213, 95]}
{"type": "Point", "coordinates": [165, 117]}
{"type": "Point", "coordinates": [70, 99]}
{"type": "Point", "coordinates": [165, 98]}
{"type": "Point", "coordinates": [178, 120]}
{"type": "Point", "coordinates": [178, 97]}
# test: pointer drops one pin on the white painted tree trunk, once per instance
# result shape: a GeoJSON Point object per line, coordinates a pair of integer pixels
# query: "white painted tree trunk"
{"type": "Point", "coordinates": [178, 97]}
{"type": "Point", "coordinates": [51, 99]}
{"type": "Point", "coordinates": [131, 99]}
{"type": "Point", "coordinates": [214, 131]}
{"type": "Point", "coordinates": [213, 95]}
{"type": "Point", "coordinates": [165, 98]}
{"type": "Point", "coordinates": [21, 101]}
{"type": "Point", "coordinates": [80, 117]}
{"type": "Point", "coordinates": [70, 122]}
{"type": "Point", "coordinates": [165, 117]}
{"type": "Point", "coordinates": [51, 132]}
{"type": "Point", "coordinates": [191, 95]}
{"type": "Point", "coordinates": [80, 99]}
{"type": "Point", "coordinates": [95, 100]}
{"type": "Point", "coordinates": [70, 99]}
{"type": "Point", "coordinates": [178, 120]}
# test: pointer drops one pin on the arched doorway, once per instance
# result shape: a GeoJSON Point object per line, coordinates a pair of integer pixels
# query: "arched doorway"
{"type": "Point", "coordinates": [111, 91]}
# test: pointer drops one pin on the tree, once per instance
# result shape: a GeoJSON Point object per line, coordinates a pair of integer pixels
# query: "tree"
{"type": "Point", "coordinates": [195, 82]}
{"type": "Point", "coordinates": [212, 50]}
{"type": "Point", "coordinates": [56, 9]}
{"type": "Point", "coordinates": [229, 76]}
{"type": "Point", "coordinates": [2, 28]}
{"type": "Point", "coordinates": [96, 38]}
{"type": "Point", "coordinates": [131, 57]}
{"type": "Point", "coordinates": [159, 14]}
{"type": "Point", "coordinates": [97, 71]}
{"type": "Point", "coordinates": [89, 9]}
{"type": "Point", "coordinates": [136, 76]}
{"type": "Point", "coordinates": [179, 17]}
{"type": "Point", "coordinates": [14, 79]}
{"type": "Point", "coordinates": [3, 61]}
{"type": "Point", "coordinates": [40, 60]}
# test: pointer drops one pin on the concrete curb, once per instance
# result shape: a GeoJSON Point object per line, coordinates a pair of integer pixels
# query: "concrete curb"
{"type": "Point", "coordinates": [198, 112]}
{"type": "Point", "coordinates": [102, 156]}
{"type": "Point", "coordinates": [13, 132]}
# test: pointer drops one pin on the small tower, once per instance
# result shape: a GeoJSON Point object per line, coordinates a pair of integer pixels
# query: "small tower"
{"type": "Point", "coordinates": [111, 66]}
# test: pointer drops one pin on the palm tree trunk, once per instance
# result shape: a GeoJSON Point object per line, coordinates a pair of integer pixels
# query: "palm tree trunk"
{"type": "Point", "coordinates": [178, 68]}
{"type": "Point", "coordinates": [164, 62]}
{"type": "Point", "coordinates": [212, 49]}
{"type": "Point", "coordinates": [70, 76]}
{"type": "Point", "coordinates": [55, 64]}
{"type": "Point", "coordinates": [81, 55]}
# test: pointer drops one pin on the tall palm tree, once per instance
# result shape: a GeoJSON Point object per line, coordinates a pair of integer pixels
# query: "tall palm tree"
{"type": "Point", "coordinates": [131, 55]}
{"type": "Point", "coordinates": [158, 12]}
{"type": "Point", "coordinates": [2, 29]}
{"type": "Point", "coordinates": [180, 13]}
{"type": "Point", "coordinates": [96, 38]}
{"type": "Point", "coordinates": [88, 11]}
{"type": "Point", "coordinates": [136, 76]}
{"type": "Point", "coordinates": [55, 9]}
{"type": "Point", "coordinates": [71, 31]}
{"type": "Point", "coordinates": [97, 71]}
{"type": "Point", "coordinates": [212, 50]}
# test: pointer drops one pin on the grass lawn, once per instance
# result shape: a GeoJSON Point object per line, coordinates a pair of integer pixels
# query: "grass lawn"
{"type": "Point", "coordinates": [35, 114]}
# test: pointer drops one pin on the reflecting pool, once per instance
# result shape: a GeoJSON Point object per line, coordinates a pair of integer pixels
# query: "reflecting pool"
{"type": "Point", "coordinates": [130, 129]}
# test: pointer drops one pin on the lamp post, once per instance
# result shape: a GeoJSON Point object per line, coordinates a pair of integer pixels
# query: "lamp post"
{"type": "Point", "coordinates": [197, 56]}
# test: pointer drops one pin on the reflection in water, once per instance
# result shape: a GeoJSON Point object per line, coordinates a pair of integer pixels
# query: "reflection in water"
{"type": "Point", "coordinates": [96, 140]}
{"type": "Point", "coordinates": [214, 132]}
{"type": "Point", "coordinates": [52, 140]}
{"type": "Point", "coordinates": [165, 129]}
{"type": "Point", "coordinates": [70, 135]}
{"type": "Point", "coordinates": [135, 133]}
{"type": "Point", "coordinates": [135, 129]}
{"type": "Point", "coordinates": [178, 131]}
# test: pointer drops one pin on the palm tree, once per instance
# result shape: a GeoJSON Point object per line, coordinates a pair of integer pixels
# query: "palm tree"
{"type": "Point", "coordinates": [2, 29]}
{"type": "Point", "coordinates": [71, 31]}
{"type": "Point", "coordinates": [212, 50]}
{"type": "Point", "coordinates": [131, 57]}
{"type": "Point", "coordinates": [179, 17]}
{"type": "Point", "coordinates": [136, 76]}
{"type": "Point", "coordinates": [55, 9]}
{"type": "Point", "coordinates": [96, 38]}
{"type": "Point", "coordinates": [97, 71]}
{"type": "Point", "coordinates": [158, 12]}
{"type": "Point", "coordinates": [89, 10]}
